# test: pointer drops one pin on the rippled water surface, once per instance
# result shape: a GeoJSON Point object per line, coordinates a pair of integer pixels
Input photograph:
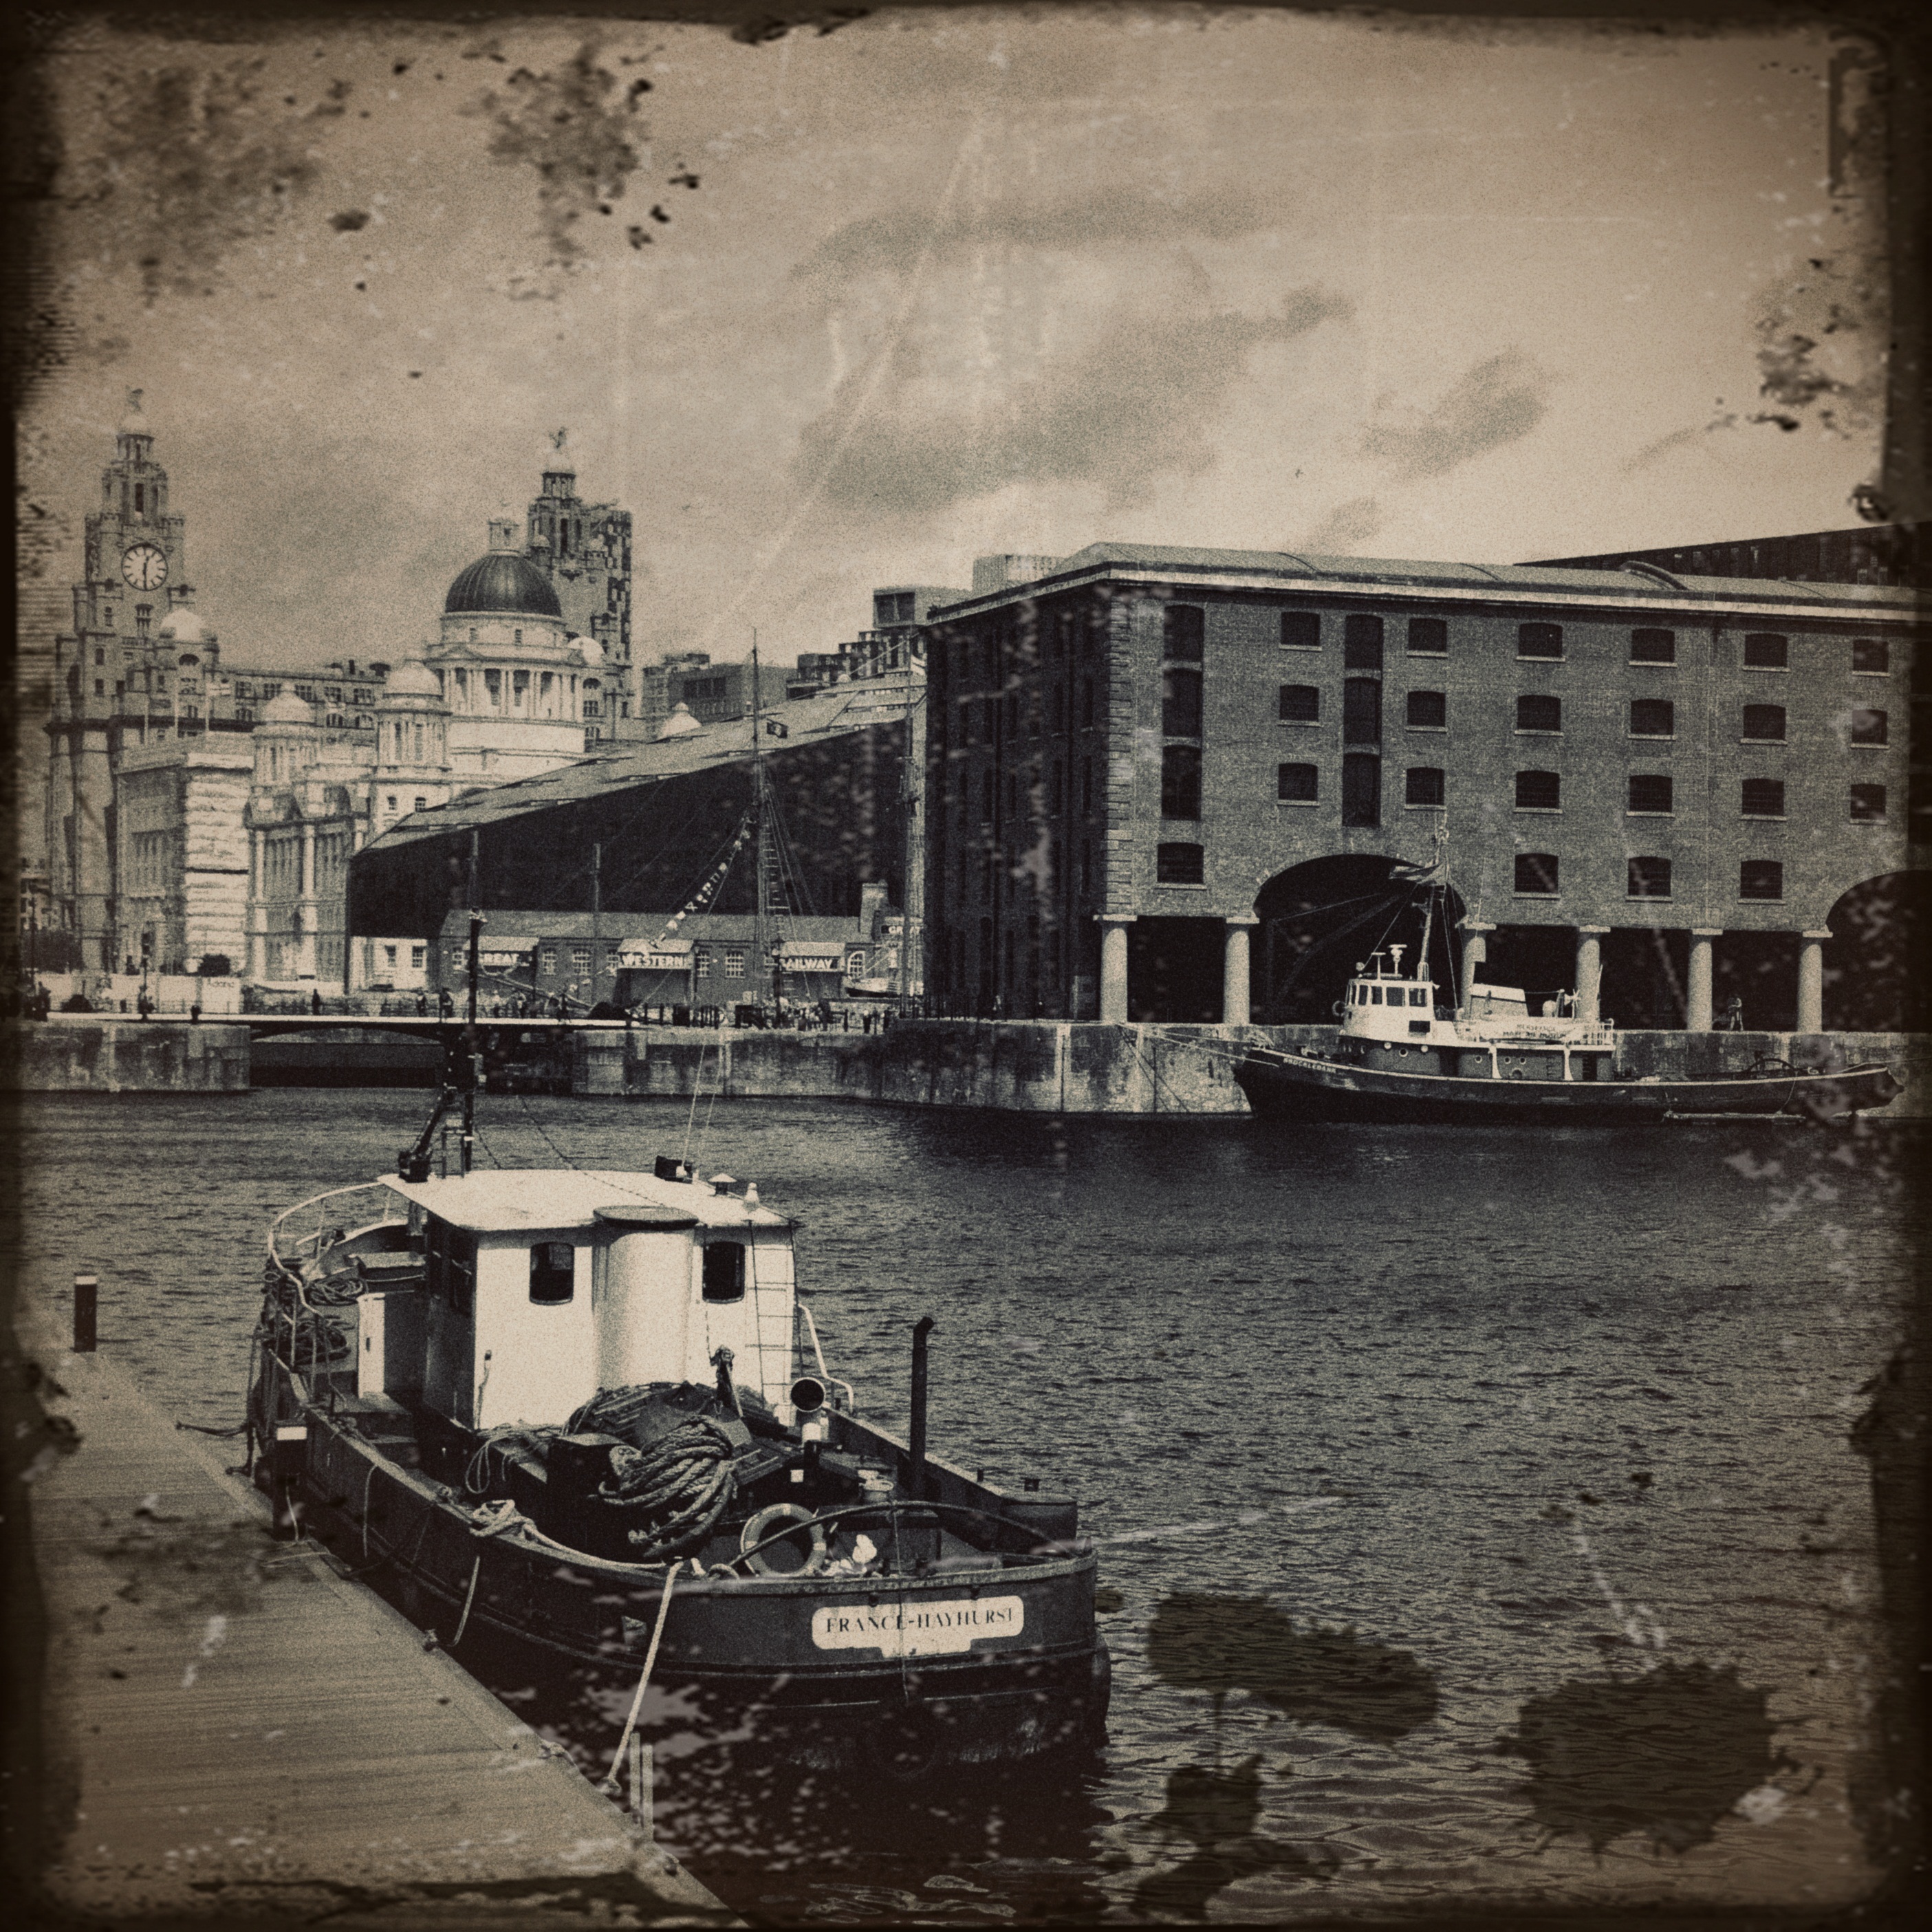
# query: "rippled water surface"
{"type": "Point", "coordinates": [1543, 1439]}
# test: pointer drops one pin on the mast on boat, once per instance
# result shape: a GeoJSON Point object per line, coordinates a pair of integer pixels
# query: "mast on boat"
{"type": "Point", "coordinates": [761, 899]}
{"type": "Point", "coordinates": [470, 1051]}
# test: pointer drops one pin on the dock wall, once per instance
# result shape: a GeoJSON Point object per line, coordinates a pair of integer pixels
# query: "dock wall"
{"type": "Point", "coordinates": [1056, 1067]}
{"type": "Point", "coordinates": [77, 1053]}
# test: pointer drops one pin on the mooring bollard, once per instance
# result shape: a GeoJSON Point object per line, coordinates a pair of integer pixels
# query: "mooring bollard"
{"type": "Point", "coordinates": [86, 1310]}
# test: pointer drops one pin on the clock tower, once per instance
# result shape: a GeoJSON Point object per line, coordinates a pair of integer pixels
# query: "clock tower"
{"type": "Point", "coordinates": [114, 675]}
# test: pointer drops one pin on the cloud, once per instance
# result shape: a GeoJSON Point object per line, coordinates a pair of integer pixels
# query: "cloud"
{"type": "Point", "coordinates": [1496, 402]}
{"type": "Point", "coordinates": [1137, 403]}
{"type": "Point", "coordinates": [1114, 215]}
{"type": "Point", "coordinates": [1345, 529]}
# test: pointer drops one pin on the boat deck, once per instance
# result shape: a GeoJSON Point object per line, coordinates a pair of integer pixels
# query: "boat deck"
{"type": "Point", "coordinates": [229, 1723]}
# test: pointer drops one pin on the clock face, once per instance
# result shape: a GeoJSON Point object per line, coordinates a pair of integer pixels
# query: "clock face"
{"type": "Point", "coordinates": [144, 566]}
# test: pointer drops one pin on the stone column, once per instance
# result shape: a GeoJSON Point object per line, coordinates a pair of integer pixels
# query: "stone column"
{"type": "Point", "coordinates": [1475, 950]}
{"type": "Point", "coordinates": [258, 911]}
{"type": "Point", "coordinates": [1114, 967]}
{"type": "Point", "coordinates": [1811, 979]}
{"type": "Point", "coordinates": [1697, 990]}
{"type": "Point", "coordinates": [1234, 1000]}
{"type": "Point", "coordinates": [1590, 972]}
{"type": "Point", "coordinates": [305, 919]}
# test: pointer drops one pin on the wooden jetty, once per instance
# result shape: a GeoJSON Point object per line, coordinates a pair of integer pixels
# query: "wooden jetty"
{"type": "Point", "coordinates": [231, 1728]}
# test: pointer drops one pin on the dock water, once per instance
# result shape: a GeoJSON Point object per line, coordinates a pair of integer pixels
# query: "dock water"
{"type": "Point", "coordinates": [231, 1728]}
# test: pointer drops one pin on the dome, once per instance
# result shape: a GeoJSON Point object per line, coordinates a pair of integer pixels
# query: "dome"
{"type": "Point", "coordinates": [503, 582]}
{"type": "Point", "coordinates": [589, 650]}
{"type": "Point", "coordinates": [184, 627]}
{"type": "Point", "coordinates": [678, 723]}
{"type": "Point", "coordinates": [412, 678]}
{"type": "Point", "coordinates": [286, 708]}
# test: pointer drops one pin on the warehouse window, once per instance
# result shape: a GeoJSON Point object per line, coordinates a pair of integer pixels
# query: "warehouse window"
{"type": "Point", "coordinates": [1179, 865]}
{"type": "Point", "coordinates": [1649, 792]}
{"type": "Point", "coordinates": [1868, 803]}
{"type": "Point", "coordinates": [1361, 642]}
{"type": "Point", "coordinates": [1766, 650]}
{"type": "Point", "coordinates": [1428, 710]}
{"type": "Point", "coordinates": [1536, 711]}
{"type": "Point", "coordinates": [1539, 791]}
{"type": "Point", "coordinates": [1301, 704]}
{"type": "Point", "coordinates": [553, 1274]}
{"type": "Point", "coordinates": [1648, 879]}
{"type": "Point", "coordinates": [1653, 647]}
{"type": "Point", "coordinates": [1180, 702]}
{"type": "Point", "coordinates": [1296, 784]}
{"type": "Point", "coordinates": [1536, 874]}
{"type": "Point", "coordinates": [1653, 718]}
{"type": "Point", "coordinates": [1539, 641]}
{"type": "Point", "coordinates": [734, 963]}
{"type": "Point", "coordinates": [1180, 782]}
{"type": "Point", "coordinates": [1182, 629]}
{"type": "Point", "coordinates": [580, 959]}
{"type": "Point", "coordinates": [1361, 789]}
{"type": "Point", "coordinates": [1424, 785]}
{"type": "Point", "coordinates": [1765, 723]}
{"type": "Point", "coordinates": [1760, 879]}
{"type": "Point", "coordinates": [549, 959]}
{"type": "Point", "coordinates": [1301, 630]}
{"type": "Point", "coordinates": [1763, 798]}
{"type": "Point", "coordinates": [1868, 727]}
{"type": "Point", "coordinates": [1362, 711]}
{"type": "Point", "coordinates": [1428, 636]}
{"type": "Point", "coordinates": [1870, 654]}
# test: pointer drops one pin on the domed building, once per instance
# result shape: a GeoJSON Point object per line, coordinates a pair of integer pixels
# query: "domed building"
{"type": "Point", "coordinates": [524, 695]}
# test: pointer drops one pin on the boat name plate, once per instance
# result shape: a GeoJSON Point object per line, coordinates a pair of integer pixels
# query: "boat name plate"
{"type": "Point", "coordinates": [917, 1629]}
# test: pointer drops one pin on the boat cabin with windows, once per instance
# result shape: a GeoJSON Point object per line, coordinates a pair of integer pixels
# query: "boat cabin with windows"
{"type": "Point", "coordinates": [513, 1297]}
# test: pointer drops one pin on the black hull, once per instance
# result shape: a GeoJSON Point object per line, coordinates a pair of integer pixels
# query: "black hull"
{"type": "Point", "coordinates": [737, 1664]}
{"type": "Point", "coordinates": [1287, 1087]}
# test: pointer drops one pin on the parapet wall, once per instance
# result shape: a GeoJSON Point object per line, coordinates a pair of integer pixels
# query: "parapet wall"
{"type": "Point", "coordinates": [1046, 1066]}
{"type": "Point", "coordinates": [74, 1053]}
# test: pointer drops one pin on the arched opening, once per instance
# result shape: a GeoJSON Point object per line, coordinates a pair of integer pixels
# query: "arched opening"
{"type": "Point", "coordinates": [1878, 961]}
{"type": "Point", "coordinates": [1319, 919]}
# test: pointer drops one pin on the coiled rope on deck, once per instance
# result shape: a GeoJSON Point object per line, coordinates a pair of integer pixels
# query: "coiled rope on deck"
{"type": "Point", "coordinates": [677, 1489]}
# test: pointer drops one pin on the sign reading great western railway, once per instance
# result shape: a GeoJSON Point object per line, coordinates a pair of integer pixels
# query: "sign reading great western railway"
{"type": "Point", "coordinates": [917, 1629]}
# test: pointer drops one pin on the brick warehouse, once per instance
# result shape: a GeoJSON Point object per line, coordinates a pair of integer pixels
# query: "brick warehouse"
{"type": "Point", "coordinates": [1154, 773]}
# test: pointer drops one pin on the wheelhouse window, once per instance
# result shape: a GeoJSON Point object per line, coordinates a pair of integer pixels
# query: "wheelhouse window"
{"type": "Point", "coordinates": [1653, 718]}
{"type": "Point", "coordinates": [1361, 642]}
{"type": "Point", "coordinates": [1648, 879]}
{"type": "Point", "coordinates": [1301, 630]}
{"type": "Point", "coordinates": [553, 1274]}
{"type": "Point", "coordinates": [1868, 803]}
{"type": "Point", "coordinates": [1539, 791]}
{"type": "Point", "coordinates": [1868, 727]}
{"type": "Point", "coordinates": [1760, 879]}
{"type": "Point", "coordinates": [449, 1258]}
{"type": "Point", "coordinates": [1301, 704]}
{"type": "Point", "coordinates": [1424, 785]}
{"type": "Point", "coordinates": [1180, 782]}
{"type": "Point", "coordinates": [1871, 654]}
{"type": "Point", "coordinates": [1539, 641]}
{"type": "Point", "coordinates": [1296, 784]}
{"type": "Point", "coordinates": [1536, 874]}
{"type": "Point", "coordinates": [1179, 865]}
{"type": "Point", "coordinates": [1182, 628]}
{"type": "Point", "coordinates": [1428, 637]}
{"type": "Point", "coordinates": [1764, 724]}
{"type": "Point", "coordinates": [1428, 710]}
{"type": "Point", "coordinates": [1766, 650]}
{"type": "Point", "coordinates": [1653, 647]}
{"type": "Point", "coordinates": [1764, 798]}
{"type": "Point", "coordinates": [1650, 792]}
{"type": "Point", "coordinates": [724, 1270]}
{"type": "Point", "coordinates": [1535, 711]}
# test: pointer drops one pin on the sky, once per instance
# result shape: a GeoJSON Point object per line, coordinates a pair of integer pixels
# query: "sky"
{"type": "Point", "coordinates": [847, 309]}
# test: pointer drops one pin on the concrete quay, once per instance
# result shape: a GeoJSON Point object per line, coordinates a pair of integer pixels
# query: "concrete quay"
{"type": "Point", "coordinates": [1062, 1067]}
{"type": "Point", "coordinates": [80, 1053]}
{"type": "Point", "coordinates": [213, 1727]}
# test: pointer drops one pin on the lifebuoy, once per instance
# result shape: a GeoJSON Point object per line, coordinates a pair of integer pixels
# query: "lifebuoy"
{"type": "Point", "coordinates": [769, 1523]}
